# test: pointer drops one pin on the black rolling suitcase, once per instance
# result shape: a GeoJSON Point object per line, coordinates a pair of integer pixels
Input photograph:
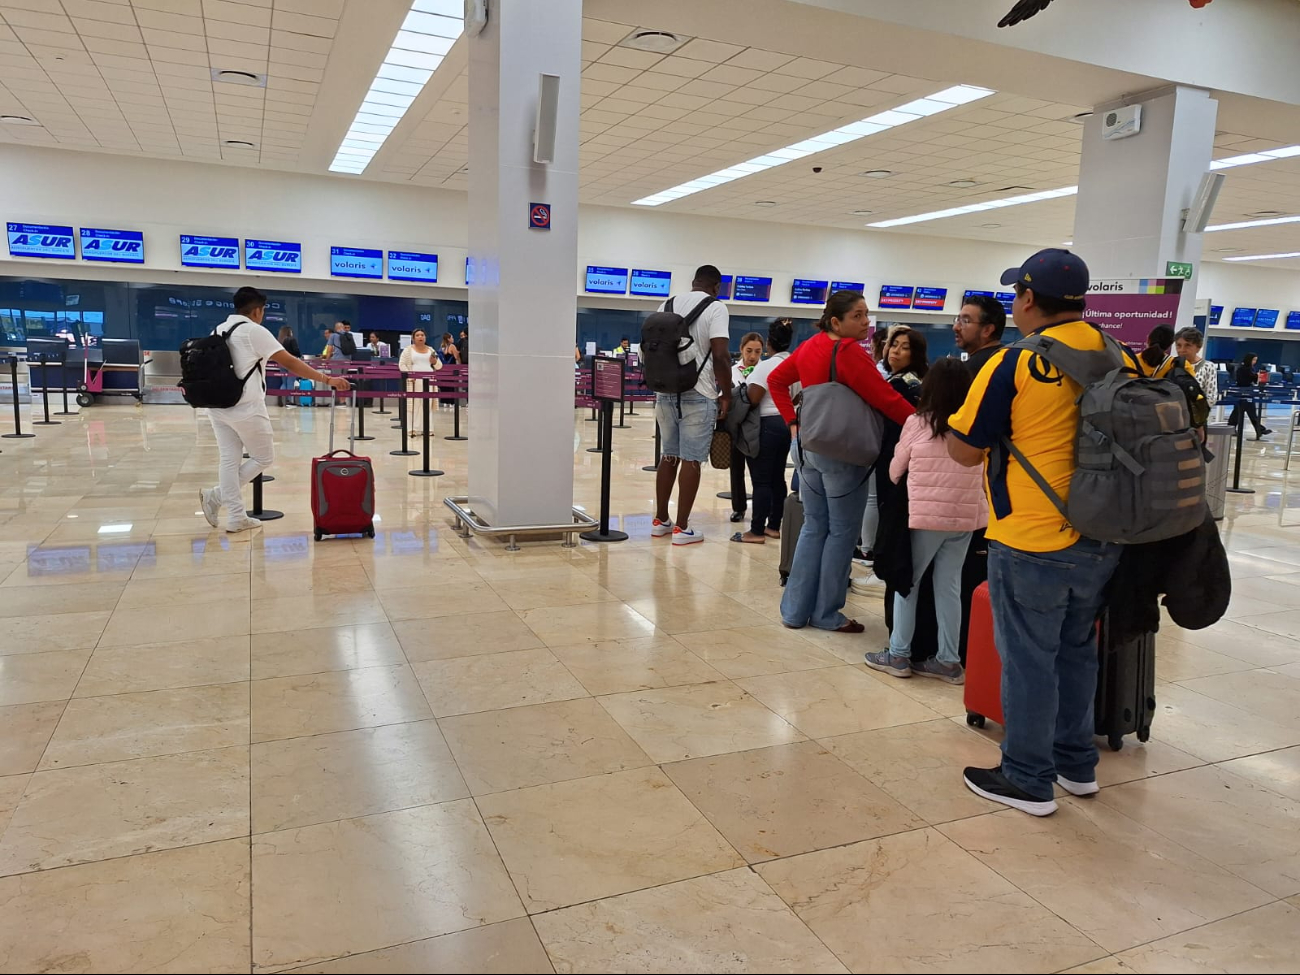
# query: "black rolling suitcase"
{"type": "Point", "coordinates": [1126, 686]}
{"type": "Point", "coordinates": [791, 526]}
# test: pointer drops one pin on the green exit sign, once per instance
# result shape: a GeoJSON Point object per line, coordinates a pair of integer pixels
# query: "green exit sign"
{"type": "Point", "coordinates": [1174, 269]}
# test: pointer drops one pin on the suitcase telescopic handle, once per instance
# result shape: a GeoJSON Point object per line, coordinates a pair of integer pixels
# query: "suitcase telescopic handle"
{"type": "Point", "coordinates": [352, 426]}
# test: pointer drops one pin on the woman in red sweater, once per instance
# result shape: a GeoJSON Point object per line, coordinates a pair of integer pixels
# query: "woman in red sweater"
{"type": "Point", "coordinates": [834, 493]}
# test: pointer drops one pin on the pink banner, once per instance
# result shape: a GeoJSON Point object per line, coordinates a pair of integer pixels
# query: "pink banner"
{"type": "Point", "coordinates": [1129, 310]}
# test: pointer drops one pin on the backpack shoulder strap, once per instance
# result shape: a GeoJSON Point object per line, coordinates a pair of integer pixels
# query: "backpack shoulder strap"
{"type": "Point", "coordinates": [1083, 366]}
{"type": "Point", "coordinates": [835, 354]}
{"type": "Point", "coordinates": [1037, 476]}
{"type": "Point", "coordinates": [697, 311]}
{"type": "Point", "coordinates": [668, 305]}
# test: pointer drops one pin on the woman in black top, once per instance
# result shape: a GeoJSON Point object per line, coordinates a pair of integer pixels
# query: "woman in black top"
{"type": "Point", "coordinates": [289, 342]}
{"type": "Point", "coordinates": [1244, 378]}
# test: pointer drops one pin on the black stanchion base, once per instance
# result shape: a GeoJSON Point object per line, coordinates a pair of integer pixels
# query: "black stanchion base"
{"type": "Point", "coordinates": [65, 413]}
{"type": "Point", "coordinates": [594, 450]}
{"type": "Point", "coordinates": [1233, 490]}
{"type": "Point", "coordinates": [268, 478]}
{"type": "Point", "coordinates": [405, 453]}
{"type": "Point", "coordinates": [17, 436]}
{"type": "Point", "coordinates": [455, 438]}
{"type": "Point", "coordinates": [651, 467]}
{"type": "Point", "coordinates": [266, 514]}
{"type": "Point", "coordinates": [47, 423]}
{"type": "Point", "coordinates": [424, 473]}
{"type": "Point", "coordinates": [363, 438]}
{"type": "Point", "coordinates": [596, 535]}
{"type": "Point", "coordinates": [725, 495]}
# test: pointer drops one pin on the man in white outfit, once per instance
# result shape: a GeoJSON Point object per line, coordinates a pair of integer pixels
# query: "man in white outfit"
{"type": "Point", "coordinates": [246, 426]}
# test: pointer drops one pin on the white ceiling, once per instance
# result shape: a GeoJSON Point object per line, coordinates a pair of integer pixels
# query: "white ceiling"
{"type": "Point", "coordinates": [135, 76]}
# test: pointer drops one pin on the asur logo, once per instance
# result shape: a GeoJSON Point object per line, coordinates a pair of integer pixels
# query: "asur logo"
{"type": "Point", "coordinates": [275, 257]}
{"type": "Point", "coordinates": [120, 246]}
{"type": "Point", "coordinates": [214, 252]}
{"type": "Point", "coordinates": [38, 240]}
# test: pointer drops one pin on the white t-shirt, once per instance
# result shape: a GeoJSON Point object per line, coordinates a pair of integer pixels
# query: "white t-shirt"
{"type": "Point", "coordinates": [766, 407]}
{"type": "Point", "coordinates": [251, 344]}
{"type": "Point", "coordinates": [714, 323]}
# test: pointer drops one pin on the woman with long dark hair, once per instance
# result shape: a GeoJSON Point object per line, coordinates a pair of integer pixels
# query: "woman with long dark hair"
{"type": "Point", "coordinates": [1245, 378]}
{"type": "Point", "coordinates": [767, 467]}
{"type": "Point", "coordinates": [833, 491]}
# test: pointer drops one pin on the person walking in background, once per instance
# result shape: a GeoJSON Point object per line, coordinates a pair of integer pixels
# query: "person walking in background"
{"type": "Point", "coordinates": [834, 492]}
{"type": "Point", "coordinates": [767, 468]}
{"type": "Point", "coordinates": [978, 330]}
{"type": "Point", "coordinates": [1188, 343]}
{"type": "Point", "coordinates": [417, 360]}
{"type": "Point", "coordinates": [246, 426]}
{"type": "Point", "coordinates": [751, 351]}
{"type": "Point", "coordinates": [946, 504]}
{"type": "Point", "coordinates": [1244, 378]}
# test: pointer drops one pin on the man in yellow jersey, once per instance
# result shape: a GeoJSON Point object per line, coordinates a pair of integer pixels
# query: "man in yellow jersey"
{"type": "Point", "coordinates": [1046, 582]}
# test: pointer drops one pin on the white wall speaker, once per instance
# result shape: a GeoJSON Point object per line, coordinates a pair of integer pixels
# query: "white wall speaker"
{"type": "Point", "coordinates": [548, 107]}
{"type": "Point", "coordinates": [1197, 217]}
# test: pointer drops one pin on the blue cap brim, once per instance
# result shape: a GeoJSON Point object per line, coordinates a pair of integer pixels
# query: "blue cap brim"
{"type": "Point", "coordinates": [1011, 275]}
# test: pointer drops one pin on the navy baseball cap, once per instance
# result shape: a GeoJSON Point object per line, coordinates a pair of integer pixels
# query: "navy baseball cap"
{"type": "Point", "coordinates": [1052, 272]}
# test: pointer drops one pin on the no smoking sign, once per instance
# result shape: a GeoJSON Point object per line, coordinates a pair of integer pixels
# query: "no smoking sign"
{"type": "Point", "coordinates": [539, 216]}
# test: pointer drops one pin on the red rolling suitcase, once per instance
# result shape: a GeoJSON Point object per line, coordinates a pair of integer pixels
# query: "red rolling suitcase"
{"type": "Point", "coordinates": [983, 691]}
{"type": "Point", "coordinates": [343, 486]}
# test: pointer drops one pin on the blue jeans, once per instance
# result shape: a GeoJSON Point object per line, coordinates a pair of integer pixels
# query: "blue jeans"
{"type": "Point", "coordinates": [1045, 608]}
{"type": "Point", "coordinates": [833, 495]}
{"type": "Point", "coordinates": [947, 550]}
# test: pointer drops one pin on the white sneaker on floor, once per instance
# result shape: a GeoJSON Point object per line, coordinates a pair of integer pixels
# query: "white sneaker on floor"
{"type": "Point", "coordinates": [210, 502]}
{"type": "Point", "coordinates": [248, 524]}
{"type": "Point", "coordinates": [659, 529]}
{"type": "Point", "coordinates": [687, 536]}
{"type": "Point", "coordinates": [867, 585]}
{"type": "Point", "coordinates": [1078, 788]}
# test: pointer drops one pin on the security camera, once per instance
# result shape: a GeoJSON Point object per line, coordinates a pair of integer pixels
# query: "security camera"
{"type": "Point", "coordinates": [817, 169]}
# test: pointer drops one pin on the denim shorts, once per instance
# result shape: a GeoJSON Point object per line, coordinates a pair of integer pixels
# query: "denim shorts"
{"type": "Point", "coordinates": [690, 435]}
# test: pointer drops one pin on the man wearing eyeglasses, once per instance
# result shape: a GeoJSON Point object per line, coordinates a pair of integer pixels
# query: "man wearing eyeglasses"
{"type": "Point", "coordinates": [978, 330]}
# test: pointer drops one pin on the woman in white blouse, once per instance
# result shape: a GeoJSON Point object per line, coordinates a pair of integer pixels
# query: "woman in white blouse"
{"type": "Point", "coordinates": [1188, 344]}
{"type": "Point", "coordinates": [418, 357]}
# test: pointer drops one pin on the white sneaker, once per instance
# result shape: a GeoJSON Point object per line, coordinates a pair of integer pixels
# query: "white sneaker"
{"type": "Point", "coordinates": [210, 501]}
{"type": "Point", "coordinates": [1078, 788]}
{"type": "Point", "coordinates": [687, 536]}
{"type": "Point", "coordinates": [658, 529]}
{"type": "Point", "coordinates": [867, 585]}
{"type": "Point", "coordinates": [248, 524]}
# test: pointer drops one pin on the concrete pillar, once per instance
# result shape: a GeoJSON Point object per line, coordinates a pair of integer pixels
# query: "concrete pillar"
{"type": "Point", "coordinates": [523, 304]}
{"type": "Point", "coordinates": [1132, 192]}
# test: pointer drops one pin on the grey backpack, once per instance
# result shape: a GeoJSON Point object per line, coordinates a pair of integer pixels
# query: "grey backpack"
{"type": "Point", "coordinates": [1139, 473]}
{"type": "Point", "coordinates": [836, 422]}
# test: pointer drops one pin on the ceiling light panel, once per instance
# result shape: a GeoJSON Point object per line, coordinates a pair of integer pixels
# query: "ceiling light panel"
{"type": "Point", "coordinates": [940, 101]}
{"type": "Point", "coordinates": [427, 34]}
{"type": "Point", "coordinates": [1270, 222]}
{"type": "Point", "coordinates": [1265, 257]}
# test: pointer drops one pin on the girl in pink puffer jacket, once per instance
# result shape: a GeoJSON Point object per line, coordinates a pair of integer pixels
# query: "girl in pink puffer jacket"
{"type": "Point", "coordinates": [947, 504]}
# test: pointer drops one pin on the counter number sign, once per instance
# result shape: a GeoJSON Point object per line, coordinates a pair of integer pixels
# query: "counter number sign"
{"type": "Point", "coordinates": [539, 216]}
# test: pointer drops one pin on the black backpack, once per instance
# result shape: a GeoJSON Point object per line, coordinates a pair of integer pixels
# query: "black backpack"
{"type": "Point", "coordinates": [664, 335]}
{"type": "Point", "coordinates": [208, 377]}
{"type": "Point", "coordinates": [347, 343]}
{"type": "Point", "coordinates": [1197, 405]}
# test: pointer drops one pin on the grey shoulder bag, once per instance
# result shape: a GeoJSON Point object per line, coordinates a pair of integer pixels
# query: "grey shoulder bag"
{"type": "Point", "coordinates": [836, 422]}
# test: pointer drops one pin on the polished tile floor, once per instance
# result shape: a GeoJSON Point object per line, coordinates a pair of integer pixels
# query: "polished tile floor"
{"type": "Point", "coordinates": [421, 753]}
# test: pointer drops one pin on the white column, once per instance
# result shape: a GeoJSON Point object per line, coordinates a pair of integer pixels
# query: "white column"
{"type": "Point", "coordinates": [523, 304]}
{"type": "Point", "coordinates": [1132, 192]}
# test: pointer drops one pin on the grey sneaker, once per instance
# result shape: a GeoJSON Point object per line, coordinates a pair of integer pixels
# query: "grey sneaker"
{"type": "Point", "coordinates": [248, 524]}
{"type": "Point", "coordinates": [949, 673]}
{"type": "Point", "coordinates": [888, 663]}
{"type": "Point", "coordinates": [210, 502]}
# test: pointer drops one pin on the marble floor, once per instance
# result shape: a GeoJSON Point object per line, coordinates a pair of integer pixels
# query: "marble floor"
{"type": "Point", "coordinates": [420, 753]}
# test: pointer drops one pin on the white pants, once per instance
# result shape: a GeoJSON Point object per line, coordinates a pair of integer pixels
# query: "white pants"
{"type": "Point", "coordinates": [236, 434]}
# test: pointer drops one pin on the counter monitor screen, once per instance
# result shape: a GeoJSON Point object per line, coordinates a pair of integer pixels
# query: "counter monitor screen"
{"type": "Point", "coordinates": [896, 296]}
{"type": "Point", "coordinates": [1266, 318]}
{"type": "Point", "coordinates": [1243, 317]}
{"type": "Point", "coordinates": [651, 284]}
{"type": "Point", "coordinates": [753, 289]}
{"type": "Point", "coordinates": [273, 255]}
{"type": "Point", "coordinates": [1007, 298]}
{"type": "Point", "coordinates": [41, 240]}
{"type": "Point", "coordinates": [858, 286]}
{"type": "Point", "coordinates": [356, 262]}
{"type": "Point", "coordinates": [1216, 314]}
{"type": "Point", "coordinates": [975, 294]}
{"type": "Point", "coordinates": [724, 289]}
{"type": "Point", "coordinates": [606, 280]}
{"type": "Point", "coordinates": [219, 252]}
{"type": "Point", "coordinates": [412, 266]}
{"type": "Point", "coordinates": [112, 246]}
{"type": "Point", "coordinates": [806, 292]}
{"type": "Point", "coordinates": [931, 299]}
{"type": "Point", "coordinates": [1293, 319]}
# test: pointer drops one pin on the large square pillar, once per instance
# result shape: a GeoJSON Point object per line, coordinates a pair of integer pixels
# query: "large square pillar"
{"type": "Point", "coordinates": [1132, 192]}
{"type": "Point", "coordinates": [523, 299]}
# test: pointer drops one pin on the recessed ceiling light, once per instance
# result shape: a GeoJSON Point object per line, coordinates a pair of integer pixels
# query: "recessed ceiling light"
{"type": "Point", "coordinates": [1265, 257]}
{"type": "Point", "coordinates": [17, 120]}
{"type": "Point", "coordinates": [877, 173]}
{"type": "Point", "coordinates": [1228, 250]}
{"type": "Point", "coordinates": [765, 203]}
{"type": "Point", "coordinates": [861, 213]}
{"type": "Point", "coordinates": [1067, 243]}
{"type": "Point", "coordinates": [231, 77]}
{"type": "Point", "coordinates": [963, 184]}
{"type": "Point", "coordinates": [654, 41]}
{"type": "Point", "coordinates": [1081, 117]}
{"type": "Point", "coordinates": [1009, 201]}
{"type": "Point", "coordinates": [1242, 225]}
{"type": "Point", "coordinates": [1267, 213]}
{"type": "Point", "coordinates": [990, 226]}
{"type": "Point", "coordinates": [240, 144]}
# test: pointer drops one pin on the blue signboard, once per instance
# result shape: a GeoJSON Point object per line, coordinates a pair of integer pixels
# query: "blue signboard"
{"type": "Point", "coordinates": [724, 289]}
{"type": "Point", "coordinates": [412, 266]}
{"type": "Point", "coordinates": [858, 286]}
{"type": "Point", "coordinates": [807, 292]}
{"type": "Point", "coordinates": [651, 284]}
{"type": "Point", "coordinates": [975, 294]}
{"type": "Point", "coordinates": [1243, 317]}
{"type": "Point", "coordinates": [752, 289]}
{"type": "Point", "coordinates": [41, 240]}
{"type": "Point", "coordinates": [606, 280]}
{"type": "Point", "coordinates": [896, 296]}
{"type": "Point", "coordinates": [272, 255]}
{"type": "Point", "coordinates": [932, 299]}
{"type": "Point", "coordinates": [1216, 314]}
{"type": "Point", "coordinates": [1266, 318]}
{"type": "Point", "coordinates": [220, 252]}
{"type": "Point", "coordinates": [115, 246]}
{"type": "Point", "coordinates": [356, 262]}
{"type": "Point", "coordinates": [1007, 298]}
{"type": "Point", "coordinates": [1293, 319]}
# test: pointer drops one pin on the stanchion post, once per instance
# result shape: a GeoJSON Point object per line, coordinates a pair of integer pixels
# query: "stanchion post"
{"type": "Point", "coordinates": [257, 511]}
{"type": "Point", "coordinates": [600, 429]}
{"type": "Point", "coordinates": [45, 391]}
{"type": "Point", "coordinates": [402, 406]}
{"type": "Point", "coordinates": [18, 427]}
{"type": "Point", "coordinates": [1236, 464]}
{"type": "Point", "coordinates": [361, 414]}
{"type": "Point", "coordinates": [604, 533]}
{"type": "Point", "coordinates": [426, 470]}
{"type": "Point", "coordinates": [655, 465]}
{"type": "Point", "coordinates": [63, 386]}
{"type": "Point", "coordinates": [455, 414]}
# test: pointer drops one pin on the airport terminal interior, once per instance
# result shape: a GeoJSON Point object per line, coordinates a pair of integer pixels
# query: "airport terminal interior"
{"type": "Point", "coordinates": [482, 732]}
